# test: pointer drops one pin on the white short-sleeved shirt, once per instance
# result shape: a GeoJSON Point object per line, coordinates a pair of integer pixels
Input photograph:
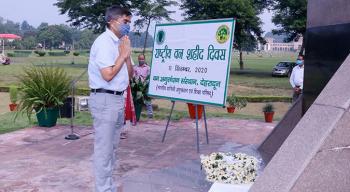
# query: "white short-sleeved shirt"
{"type": "Point", "coordinates": [297, 77]}
{"type": "Point", "coordinates": [103, 53]}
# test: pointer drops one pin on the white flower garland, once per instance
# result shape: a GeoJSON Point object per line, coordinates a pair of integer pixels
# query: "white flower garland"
{"type": "Point", "coordinates": [230, 168]}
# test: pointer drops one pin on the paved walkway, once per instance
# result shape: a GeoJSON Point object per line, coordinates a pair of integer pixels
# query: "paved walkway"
{"type": "Point", "coordinates": [40, 160]}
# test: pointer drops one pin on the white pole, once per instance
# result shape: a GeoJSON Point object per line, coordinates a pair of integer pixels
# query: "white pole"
{"type": "Point", "coordinates": [3, 46]}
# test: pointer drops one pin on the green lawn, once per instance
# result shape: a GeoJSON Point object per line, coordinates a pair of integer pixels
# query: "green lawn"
{"type": "Point", "coordinates": [9, 73]}
{"type": "Point", "coordinates": [84, 118]}
{"type": "Point", "coordinates": [257, 71]}
{"type": "Point", "coordinates": [8, 124]}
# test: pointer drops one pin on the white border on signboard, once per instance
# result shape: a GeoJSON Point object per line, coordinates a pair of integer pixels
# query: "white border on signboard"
{"type": "Point", "coordinates": [228, 65]}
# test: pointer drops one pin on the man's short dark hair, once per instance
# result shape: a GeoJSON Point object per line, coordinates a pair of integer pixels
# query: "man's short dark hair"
{"type": "Point", "coordinates": [116, 11]}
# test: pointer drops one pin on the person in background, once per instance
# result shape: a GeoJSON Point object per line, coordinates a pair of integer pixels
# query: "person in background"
{"type": "Point", "coordinates": [109, 70]}
{"type": "Point", "coordinates": [4, 60]}
{"type": "Point", "coordinates": [142, 71]}
{"type": "Point", "coordinates": [297, 78]}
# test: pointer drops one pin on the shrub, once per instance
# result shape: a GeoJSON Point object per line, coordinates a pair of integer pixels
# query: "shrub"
{"type": "Point", "coordinates": [42, 88]}
{"type": "Point", "coordinates": [41, 53]}
{"type": "Point", "coordinates": [10, 54]}
{"type": "Point", "coordinates": [76, 53]}
{"type": "Point", "coordinates": [13, 94]}
{"type": "Point", "coordinates": [66, 52]}
{"type": "Point", "coordinates": [236, 102]}
{"type": "Point", "coordinates": [268, 107]}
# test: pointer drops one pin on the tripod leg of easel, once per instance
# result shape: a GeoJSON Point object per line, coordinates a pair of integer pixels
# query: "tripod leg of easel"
{"type": "Point", "coordinates": [205, 123]}
{"type": "Point", "coordinates": [167, 124]}
{"type": "Point", "coordinates": [197, 128]}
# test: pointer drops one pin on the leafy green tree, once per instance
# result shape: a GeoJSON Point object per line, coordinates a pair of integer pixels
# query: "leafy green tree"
{"type": "Point", "coordinates": [69, 33]}
{"type": "Point", "coordinates": [248, 24]}
{"type": "Point", "coordinates": [86, 39]}
{"type": "Point", "coordinates": [7, 26]}
{"type": "Point", "coordinates": [90, 14]}
{"type": "Point", "coordinates": [26, 43]}
{"type": "Point", "coordinates": [290, 16]}
{"type": "Point", "coordinates": [138, 39]}
{"type": "Point", "coordinates": [87, 13]}
{"type": "Point", "coordinates": [152, 11]}
{"type": "Point", "coordinates": [42, 26]}
{"type": "Point", "coordinates": [51, 36]}
{"type": "Point", "coordinates": [27, 30]}
{"type": "Point", "coordinates": [26, 27]}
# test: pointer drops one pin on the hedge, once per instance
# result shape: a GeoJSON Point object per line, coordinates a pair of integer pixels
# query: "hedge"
{"type": "Point", "coordinates": [261, 99]}
{"type": "Point", "coordinates": [52, 53]}
{"type": "Point", "coordinates": [10, 54]}
{"type": "Point", "coordinates": [251, 99]}
{"type": "Point", "coordinates": [140, 51]}
{"type": "Point", "coordinates": [15, 54]}
{"type": "Point", "coordinates": [23, 52]}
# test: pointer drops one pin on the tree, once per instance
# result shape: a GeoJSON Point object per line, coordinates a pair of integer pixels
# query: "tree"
{"type": "Point", "coordinates": [42, 26]}
{"type": "Point", "coordinates": [27, 30]}
{"type": "Point", "coordinates": [248, 24]}
{"type": "Point", "coordinates": [152, 11]}
{"type": "Point", "coordinates": [138, 39]}
{"type": "Point", "coordinates": [25, 43]}
{"type": "Point", "coordinates": [26, 27]}
{"type": "Point", "coordinates": [7, 26]}
{"type": "Point", "coordinates": [50, 36]}
{"type": "Point", "coordinates": [290, 17]}
{"type": "Point", "coordinates": [89, 14]}
{"type": "Point", "coordinates": [86, 39]}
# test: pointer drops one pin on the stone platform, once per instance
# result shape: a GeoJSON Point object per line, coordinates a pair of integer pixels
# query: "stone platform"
{"type": "Point", "coordinates": [41, 160]}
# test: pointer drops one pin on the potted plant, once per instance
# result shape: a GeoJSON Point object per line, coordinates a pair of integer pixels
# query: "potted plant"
{"type": "Point", "coordinates": [139, 90]}
{"type": "Point", "coordinates": [43, 89]}
{"type": "Point", "coordinates": [268, 110]}
{"type": "Point", "coordinates": [13, 98]}
{"type": "Point", "coordinates": [235, 102]}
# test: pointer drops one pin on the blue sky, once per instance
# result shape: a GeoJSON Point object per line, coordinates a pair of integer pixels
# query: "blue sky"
{"type": "Point", "coordinates": [37, 11]}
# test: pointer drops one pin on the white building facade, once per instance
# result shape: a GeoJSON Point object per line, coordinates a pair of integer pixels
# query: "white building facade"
{"type": "Point", "coordinates": [278, 45]}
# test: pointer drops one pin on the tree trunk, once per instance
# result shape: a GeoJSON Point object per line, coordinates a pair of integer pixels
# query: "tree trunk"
{"type": "Point", "coordinates": [241, 67]}
{"type": "Point", "coordinates": [145, 44]}
{"type": "Point", "coordinates": [301, 52]}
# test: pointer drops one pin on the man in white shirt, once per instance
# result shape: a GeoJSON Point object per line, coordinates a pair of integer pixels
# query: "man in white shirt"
{"type": "Point", "coordinates": [109, 71]}
{"type": "Point", "coordinates": [297, 78]}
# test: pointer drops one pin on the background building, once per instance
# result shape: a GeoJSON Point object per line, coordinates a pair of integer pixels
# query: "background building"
{"type": "Point", "coordinates": [276, 43]}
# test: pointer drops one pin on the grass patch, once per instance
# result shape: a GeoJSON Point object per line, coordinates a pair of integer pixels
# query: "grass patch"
{"type": "Point", "coordinates": [8, 124]}
{"type": "Point", "coordinates": [84, 118]}
{"type": "Point", "coordinates": [81, 118]}
{"type": "Point", "coordinates": [163, 114]}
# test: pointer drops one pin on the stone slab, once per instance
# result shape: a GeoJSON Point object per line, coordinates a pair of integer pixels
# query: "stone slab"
{"type": "Point", "coordinates": [329, 170]}
{"type": "Point", "coordinates": [298, 149]}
